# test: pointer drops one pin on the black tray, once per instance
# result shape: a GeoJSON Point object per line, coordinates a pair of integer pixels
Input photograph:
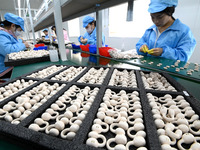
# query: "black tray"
{"type": "Point", "coordinates": [19, 62]}
{"type": "Point", "coordinates": [39, 140]}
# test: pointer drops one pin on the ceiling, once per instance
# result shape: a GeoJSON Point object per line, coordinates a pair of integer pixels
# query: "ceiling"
{"type": "Point", "coordinates": [7, 5]}
{"type": "Point", "coordinates": [10, 5]}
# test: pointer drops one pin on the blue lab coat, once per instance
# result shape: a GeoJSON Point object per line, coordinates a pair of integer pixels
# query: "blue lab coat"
{"type": "Point", "coordinates": [92, 38]}
{"type": "Point", "coordinates": [177, 41]}
{"type": "Point", "coordinates": [8, 44]}
{"type": "Point", "coordinates": [46, 37]}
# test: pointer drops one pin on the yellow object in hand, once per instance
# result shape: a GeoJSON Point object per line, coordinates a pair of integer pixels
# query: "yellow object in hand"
{"type": "Point", "coordinates": [146, 50]}
{"type": "Point", "coordinates": [150, 51]}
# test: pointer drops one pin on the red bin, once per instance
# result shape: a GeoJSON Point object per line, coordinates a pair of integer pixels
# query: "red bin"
{"type": "Point", "coordinates": [103, 51]}
{"type": "Point", "coordinates": [39, 45]}
{"type": "Point", "coordinates": [85, 47]}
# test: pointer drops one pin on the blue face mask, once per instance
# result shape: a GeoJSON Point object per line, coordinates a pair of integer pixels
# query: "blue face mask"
{"type": "Point", "coordinates": [18, 33]}
{"type": "Point", "coordinates": [89, 30]}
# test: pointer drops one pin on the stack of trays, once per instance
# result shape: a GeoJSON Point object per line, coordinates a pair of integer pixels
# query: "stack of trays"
{"type": "Point", "coordinates": [77, 107]}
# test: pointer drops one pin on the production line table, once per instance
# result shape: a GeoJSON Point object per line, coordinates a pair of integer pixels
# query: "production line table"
{"type": "Point", "coordinates": [191, 83]}
{"type": "Point", "coordinates": [84, 59]}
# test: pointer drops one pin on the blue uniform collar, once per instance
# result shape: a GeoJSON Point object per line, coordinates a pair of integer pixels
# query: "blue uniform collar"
{"type": "Point", "coordinates": [9, 33]}
{"type": "Point", "coordinates": [174, 26]}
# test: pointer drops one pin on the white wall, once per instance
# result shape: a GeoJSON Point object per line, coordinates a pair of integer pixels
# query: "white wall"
{"type": "Point", "coordinates": [117, 42]}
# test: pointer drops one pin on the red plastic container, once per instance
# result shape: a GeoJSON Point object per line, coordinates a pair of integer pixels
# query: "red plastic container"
{"type": "Point", "coordinates": [103, 61]}
{"type": "Point", "coordinates": [85, 47]}
{"type": "Point", "coordinates": [103, 51]}
{"type": "Point", "coordinates": [85, 55]}
{"type": "Point", "coordinates": [39, 45]}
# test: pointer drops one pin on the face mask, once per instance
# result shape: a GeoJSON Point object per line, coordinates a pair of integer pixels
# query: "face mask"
{"type": "Point", "coordinates": [89, 30]}
{"type": "Point", "coordinates": [18, 33]}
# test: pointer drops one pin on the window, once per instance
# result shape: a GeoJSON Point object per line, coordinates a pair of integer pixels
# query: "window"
{"type": "Point", "coordinates": [74, 29]}
{"type": "Point", "coordinates": [119, 27]}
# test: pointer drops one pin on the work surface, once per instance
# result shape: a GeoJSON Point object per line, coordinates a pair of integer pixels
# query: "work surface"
{"type": "Point", "coordinates": [191, 83]}
{"type": "Point", "coordinates": [91, 60]}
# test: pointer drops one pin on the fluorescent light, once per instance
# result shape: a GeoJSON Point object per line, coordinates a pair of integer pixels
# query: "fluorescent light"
{"type": "Point", "coordinates": [41, 9]}
{"type": "Point", "coordinates": [19, 5]}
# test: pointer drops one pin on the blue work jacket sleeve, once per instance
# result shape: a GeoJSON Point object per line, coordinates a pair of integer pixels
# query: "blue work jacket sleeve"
{"type": "Point", "coordinates": [86, 35]}
{"type": "Point", "coordinates": [103, 39]}
{"type": "Point", "coordinates": [142, 41]}
{"type": "Point", "coordinates": [7, 46]}
{"type": "Point", "coordinates": [184, 49]}
{"type": "Point", "coordinates": [79, 39]}
{"type": "Point", "coordinates": [20, 40]}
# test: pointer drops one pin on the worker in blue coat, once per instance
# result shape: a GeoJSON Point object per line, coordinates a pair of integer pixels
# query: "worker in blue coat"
{"type": "Point", "coordinates": [13, 26]}
{"type": "Point", "coordinates": [46, 36]}
{"type": "Point", "coordinates": [90, 36]}
{"type": "Point", "coordinates": [168, 37]}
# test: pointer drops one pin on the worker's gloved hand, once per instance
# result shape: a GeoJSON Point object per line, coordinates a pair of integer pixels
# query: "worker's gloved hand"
{"type": "Point", "coordinates": [144, 48]}
{"type": "Point", "coordinates": [84, 41]}
{"type": "Point", "coordinates": [150, 51]}
{"type": "Point", "coordinates": [156, 51]}
{"type": "Point", "coordinates": [26, 44]}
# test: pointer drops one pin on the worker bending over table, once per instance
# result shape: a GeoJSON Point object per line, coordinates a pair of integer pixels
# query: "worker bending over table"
{"type": "Point", "coordinates": [90, 36]}
{"type": "Point", "coordinates": [46, 36]}
{"type": "Point", "coordinates": [13, 26]}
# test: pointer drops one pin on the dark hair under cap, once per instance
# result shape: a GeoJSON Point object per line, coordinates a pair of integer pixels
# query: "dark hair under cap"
{"type": "Point", "coordinates": [169, 11]}
{"type": "Point", "coordinates": [6, 23]}
{"type": "Point", "coordinates": [93, 22]}
{"type": "Point", "coordinates": [53, 27]}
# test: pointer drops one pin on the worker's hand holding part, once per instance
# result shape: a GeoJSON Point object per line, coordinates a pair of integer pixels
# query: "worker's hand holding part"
{"type": "Point", "coordinates": [145, 49]}
{"type": "Point", "coordinates": [83, 40]}
{"type": "Point", "coordinates": [156, 51]}
{"type": "Point", "coordinates": [26, 44]}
